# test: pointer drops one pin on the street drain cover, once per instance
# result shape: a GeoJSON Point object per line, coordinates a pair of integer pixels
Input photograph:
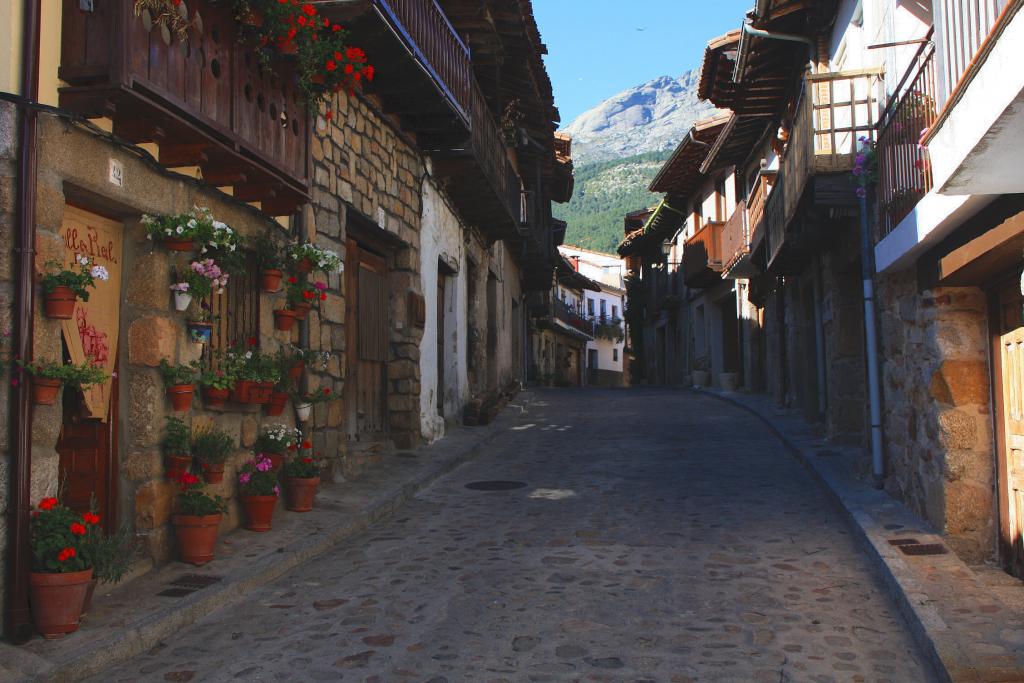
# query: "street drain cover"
{"type": "Point", "coordinates": [495, 485]}
{"type": "Point", "coordinates": [195, 581]}
{"type": "Point", "coordinates": [904, 541]}
{"type": "Point", "coordinates": [924, 549]}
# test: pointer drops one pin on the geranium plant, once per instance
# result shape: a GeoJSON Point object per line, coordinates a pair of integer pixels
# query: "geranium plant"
{"type": "Point", "coordinates": [195, 502]}
{"type": "Point", "coordinates": [58, 540]}
{"type": "Point", "coordinates": [322, 259]}
{"type": "Point", "coordinates": [303, 465]}
{"type": "Point", "coordinates": [257, 478]}
{"type": "Point", "coordinates": [269, 255]}
{"type": "Point", "coordinates": [76, 376]}
{"type": "Point", "coordinates": [299, 292]}
{"type": "Point", "coordinates": [217, 379]}
{"type": "Point", "coordinates": [319, 396]}
{"type": "Point", "coordinates": [201, 279]}
{"type": "Point", "coordinates": [316, 360]}
{"type": "Point", "coordinates": [176, 375]}
{"type": "Point", "coordinates": [78, 280]}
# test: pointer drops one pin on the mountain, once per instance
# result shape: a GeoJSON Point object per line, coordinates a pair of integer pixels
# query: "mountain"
{"type": "Point", "coordinates": [647, 118]}
{"type": "Point", "coordinates": [618, 147]}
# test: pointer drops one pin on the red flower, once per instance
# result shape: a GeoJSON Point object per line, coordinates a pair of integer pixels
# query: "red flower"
{"type": "Point", "coordinates": [66, 554]}
{"type": "Point", "coordinates": [327, 391]}
{"type": "Point", "coordinates": [253, 341]}
{"type": "Point", "coordinates": [307, 460]}
{"type": "Point", "coordinates": [307, 444]}
{"type": "Point", "coordinates": [90, 518]}
{"type": "Point", "coordinates": [336, 28]}
{"type": "Point", "coordinates": [349, 68]}
{"type": "Point", "coordinates": [47, 503]}
{"type": "Point", "coordinates": [292, 447]}
{"type": "Point", "coordinates": [329, 115]}
{"type": "Point", "coordinates": [302, 20]}
{"type": "Point", "coordinates": [337, 56]}
{"type": "Point", "coordinates": [355, 54]}
{"type": "Point", "coordinates": [77, 529]}
{"type": "Point", "coordinates": [330, 65]}
{"type": "Point", "coordinates": [292, 280]}
{"type": "Point", "coordinates": [309, 9]}
{"type": "Point", "coordinates": [357, 76]}
{"type": "Point", "coordinates": [368, 71]}
{"type": "Point", "coordinates": [323, 297]}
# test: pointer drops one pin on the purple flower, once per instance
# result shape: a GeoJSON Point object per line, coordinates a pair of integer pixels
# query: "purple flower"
{"type": "Point", "coordinates": [860, 159]}
{"type": "Point", "coordinates": [858, 170]}
{"type": "Point", "coordinates": [244, 477]}
{"type": "Point", "coordinates": [263, 466]}
{"type": "Point", "coordinates": [861, 192]}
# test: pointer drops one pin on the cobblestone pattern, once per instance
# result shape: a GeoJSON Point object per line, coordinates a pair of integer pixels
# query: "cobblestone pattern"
{"type": "Point", "coordinates": [661, 537]}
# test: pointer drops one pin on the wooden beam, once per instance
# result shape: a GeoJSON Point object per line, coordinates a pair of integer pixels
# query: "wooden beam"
{"type": "Point", "coordinates": [189, 154]}
{"type": "Point", "coordinates": [253, 192]}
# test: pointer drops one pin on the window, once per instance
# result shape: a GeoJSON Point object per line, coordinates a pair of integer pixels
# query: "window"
{"type": "Point", "coordinates": [236, 312]}
{"type": "Point", "coordinates": [604, 308]}
{"type": "Point", "coordinates": [615, 355]}
{"type": "Point", "coordinates": [590, 306]}
{"type": "Point", "coordinates": [615, 312]}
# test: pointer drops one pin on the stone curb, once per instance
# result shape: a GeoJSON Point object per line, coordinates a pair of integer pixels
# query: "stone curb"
{"type": "Point", "coordinates": [929, 630]}
{"type": "Point", "coordinates": [98, 655]}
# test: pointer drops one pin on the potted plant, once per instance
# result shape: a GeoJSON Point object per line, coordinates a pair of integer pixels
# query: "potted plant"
{"type": "Point", "coordinates": [302, 478]}
{"type": "Point", "coordinates": [278, 399]}
{"type": "Point", "coordinates": [299, 296]}
{"type": "Point", "coordinates": [270, 262]}
{"type": "Point", "coordinates": [304, 401]}
{"type": "Point", "coordinates": [110, 554]}
{"type": "Point", "coordinates": [177, 448]}
{"type": "Point", "coordinates": [200, 326]}
{"type": "Point", "coordinates": [48, 377]}
{"type": "Point", "coordinates": [211, 448]}
{"type": "Point", "coordinates": [196, 521]}
{"type": "Point", "coordinates": [217, 386]}
{"type": "Point", "coordinates": [180, 383]}
{"type": "Point", "coordinates": [274, 441]}
{"type": "Point", "coordinates": [284, 319]}
{"type": "Point", "coordinates": [294, 360]}
{"type": "Point", "coordinates": [304, 258]}
{"type": "Point", "coordinates": [258, 488]}
{"type": "Point", "coordinates": [62, 287]}
{"type": "Point", "coordinates": [61, 569]}
{"type": "Point", "coordinates": [267, 374]}
{"type": "Point", "coordinates": [183, 231]}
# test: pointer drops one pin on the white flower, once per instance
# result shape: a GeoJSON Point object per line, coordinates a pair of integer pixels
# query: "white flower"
{"type": "Point", "coordinates": [180, 230]}
{"type": "Point", "coordinates": [192, 223]}
{"type": "Point", "coordinates": [100, 273]}
{"type": "Point", "coordinates": [167, 231]}
{"type": "Point", "coordinates": [232, 247]}
{"type": "Point", "coordinates": [248, 354]}
{"type": "Point", "coordinates": [218, 225]}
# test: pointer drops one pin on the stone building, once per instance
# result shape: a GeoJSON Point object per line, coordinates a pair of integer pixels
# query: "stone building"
{"type": "Point", "coordinates": [899, 104]}
{"type": "Point", "coordinates": [440, 214]}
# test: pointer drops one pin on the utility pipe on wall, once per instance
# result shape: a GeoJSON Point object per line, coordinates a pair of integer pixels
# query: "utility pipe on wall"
{"type": "Point", "coordinates": [17, 618]}
{"type": "Point", "coordinates": [871, 345]}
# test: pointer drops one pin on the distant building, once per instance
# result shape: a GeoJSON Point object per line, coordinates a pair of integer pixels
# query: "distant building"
{"type": "Point", "coordinates": [605, 360]}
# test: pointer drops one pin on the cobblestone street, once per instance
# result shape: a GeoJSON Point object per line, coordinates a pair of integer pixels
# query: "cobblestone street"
{"type": "Point", "coordinates": [660, 536]}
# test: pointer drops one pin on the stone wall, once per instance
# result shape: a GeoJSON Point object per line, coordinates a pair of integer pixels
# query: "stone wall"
{"type": "Point", "coordinates": [75, 162]}
{"type": "Point", "coordinates": [937, 412]}
{"type": "Point", "coordinates": [8, 227]}
{"type": "Point", "coordinates": [361, 164]}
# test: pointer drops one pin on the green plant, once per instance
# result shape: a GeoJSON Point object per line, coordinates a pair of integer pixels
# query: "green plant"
{"type": "Point", "coordinates": [175, 375]}
{"type": "Point", "coordinates": [177, 440]}
{"type": "Point", "coordinates": [300, 292]}
{"type": "Point", "coordinates": [217, 379]}
{"type": "Point", "coordinates": [199, 225]}
{"type": "Point", "coordinates": [269, 255]}
{"type": "Point", "coordinates": [323, 259]}
{"type": "Point", "coordinates": [302, 466]}
{"type": "Point", "coordinates": [76, 376]}
{"type": "Point", "coordinates": [312, 358]}
{"type": "Point", "coordinates": [110, 554]}
{"type": "Point", "coordinates": [58, 539]}
{"type": "Point", "coordinates": [319, 396]}
{"type": "Point", "coordinates": [211, 445]}
{"type": "Point", "coordinates": [252, 365]}
{"type": "Point", "coordinates": [258, 478]}
{"type": "Point", "coordinates": [201, 279]}
{"type": "Point", "coordinates": [193, 501]}
{"type": "Point", "coordinates": [277, 439]}
{"type": "Point", "coordinates": [79, 280]}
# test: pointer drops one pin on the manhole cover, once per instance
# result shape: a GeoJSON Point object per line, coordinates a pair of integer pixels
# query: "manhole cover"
{"type": "Point", "coordinates": [495, 485]}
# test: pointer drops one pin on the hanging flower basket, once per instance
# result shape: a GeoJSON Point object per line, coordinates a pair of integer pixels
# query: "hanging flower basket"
{"type": "Point", "coordinates": [171, 244]}
{"type": "Point", "coordinates": [60, 303]}
{"type": "Point", "coordinates": [304, 411]}
{"type": "Point", "coordinates": [259, 512]}
{"type": "Point", "coordinates": [243, 391]}
{"type": "Point", "coordinates": [260, 392]}
{"type": "Point", "coordinates": [57, 600]}
{"type": "Point", "coordinates": [196, 537]}
{"type": "Point", "coordinates": [278, 400]}
{"type": "Point", "coordinates": [284, 319]}
{"type": "Point", "coordinates": [295, 370]}
{"type": "Point", "coordinates": [216, 398]}
{"type": "Point", "coordinates": [270, 280]}
{"type": "Point", "coordinates": [299, 493]}
{"type": "Point", "coordinates": [199, 332]}
{"type": "Point", "coordinates": [45, 390]}
{"type": "Point", "coordinates": [181, 397]}
{"type": "Point", "coordinates": [182, 300]}
{"type": "Point", "coordinates": [304, 265]}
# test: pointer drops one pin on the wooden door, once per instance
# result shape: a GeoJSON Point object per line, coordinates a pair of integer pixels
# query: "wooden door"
{"type": "Point", "coordinates": [87, 458]}
{"type": "Point", "coordinates": [1009, 367]}
{"type": "Point", "coordinates": [367, 343]}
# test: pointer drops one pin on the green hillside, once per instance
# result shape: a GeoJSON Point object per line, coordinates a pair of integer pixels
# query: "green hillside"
{"type": "Point", "coordinates": [605, 192]}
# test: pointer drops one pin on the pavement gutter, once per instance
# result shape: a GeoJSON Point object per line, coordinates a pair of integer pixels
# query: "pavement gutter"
{"type": "Point", "coordinates": [932, 634]}
{"type": "Point", "coordinates": [90, 656]}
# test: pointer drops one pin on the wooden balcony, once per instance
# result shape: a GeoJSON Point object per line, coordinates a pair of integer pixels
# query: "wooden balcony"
{"type": "Point", "coordinates": [834, 110]}
{"type": "Point", "coordinates": [736, 243]}
{"type": "Point", "coordinates": [205, 101]}
{"type": "Point", "coordinates": [755, 206]}
{"type": "Point", "coordinates": [702, 256]}
{"type": "Point", "coordinates": [964, 27]}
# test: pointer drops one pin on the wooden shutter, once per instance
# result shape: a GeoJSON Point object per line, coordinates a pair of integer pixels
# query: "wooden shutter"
{"type": "Point", "coordinates": [373, 315]}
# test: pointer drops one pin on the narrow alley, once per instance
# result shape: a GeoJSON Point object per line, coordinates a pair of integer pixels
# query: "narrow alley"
{"type": "Point", "coordinates": [659, 536]}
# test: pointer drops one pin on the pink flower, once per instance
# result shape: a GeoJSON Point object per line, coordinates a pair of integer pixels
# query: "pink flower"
{"type": "Point", "coordinates": [263, 466]}
{"type": "Point", "coordinates": [277, 490]}
{"type": "Point", "coordinates": [244, 478]}
{"type": "Point", "coordinates": [322, 286]}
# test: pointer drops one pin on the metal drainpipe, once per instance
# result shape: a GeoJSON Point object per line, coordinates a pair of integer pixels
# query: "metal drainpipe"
{"type": "Point", "coordinates": [871, 343]}
{"type": "Point", "coordinates": [17, 621]}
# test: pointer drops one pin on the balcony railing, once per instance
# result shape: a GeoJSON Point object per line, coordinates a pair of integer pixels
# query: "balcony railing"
{"type": "Point", "coordinates": [702, 255]}
{"type": "Point", "coordinates": [735, 237]}
{"type": "Point", "coordinates": [904, 171]}
{"type": "Point", "coordinates": [755, 204]}
{"type": "Point", "coordinates": [206, 101]}
{"type": "Point", "coordinates": [572, 317]}
{"type": "Point", "coordinates": [834, 111]}
{"type": "Point", "coordinates": [965, 25]}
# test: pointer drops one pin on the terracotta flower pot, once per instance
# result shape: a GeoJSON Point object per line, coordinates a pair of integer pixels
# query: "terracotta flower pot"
{"type": "Point", "coordinates": [181, 397]}
{"type": "Point", "coordinates": [259, 512]}
{"type": "Point", "coordinates": [270, 280]}
{"type": "Point", "coordinates": [253, 18]}
{"type": "Point", "coordinates": [260, 392]}
{"type": "Point", "coordinates": [278, 400]}
{"type": "Point", "coordinates": [287, 48]}
{"type": "Point", "coordinates": [216, 398]}
{"type": "Point", "coordinates": [87, 604]}
{"type": "Point", "coordinates": [213, 472]}
{"type": "Point", "coordinates": [179, 245]}
{"type": "Point", "coordinates": [178, 465]}
{"type": "Point", "coordinates": [319, 79]}
{"type": "Point", "coordinates": [60, 303]}
{"type": "Point", "coordinates": [276, 460]}
{"type": "Point", "coordinates": [304, 265]}
{"type": "Point", "coordinates": [284, 319]}
{"type": "Point", "coordinates": [301, 310]}
{"type": "Point", "coordinates": [45, 390]}
{"type": "Point", "coordinates": [299, 493]}
{"type": "Point", "coordinates": [243, 389]}
{"type": "Point", "coordinates": [196, 536]}
{"type": "Point", "coordinates": [57, 601]}
{"type": "Point", "coordinates": [295, 371]}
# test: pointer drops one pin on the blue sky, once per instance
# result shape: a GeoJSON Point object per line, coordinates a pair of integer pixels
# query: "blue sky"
{"type": "Point", "coordinates": [598, 48]}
